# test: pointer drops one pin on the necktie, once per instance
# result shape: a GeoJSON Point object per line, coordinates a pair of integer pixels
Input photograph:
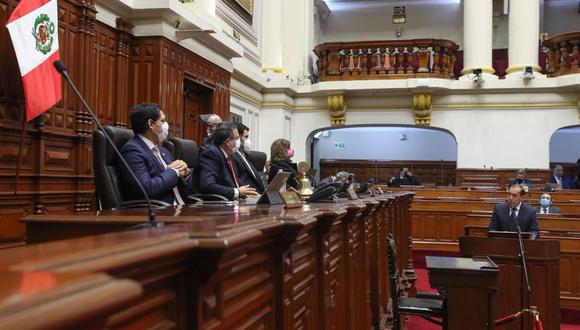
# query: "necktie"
{"type": "Point", "coordinates": [514, 219]}
{"type": "Point", "coordinates": [232, 170]}
{"type": "Point", "coordinates": [247, 165]}
{"type": "Point", "coordinates": [544, 210]}
{"type": "Point", "coordinates": [157, 154]}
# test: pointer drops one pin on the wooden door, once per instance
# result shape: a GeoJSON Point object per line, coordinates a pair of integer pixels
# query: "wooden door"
{"type": "Point", "coordinates": [197, 99]}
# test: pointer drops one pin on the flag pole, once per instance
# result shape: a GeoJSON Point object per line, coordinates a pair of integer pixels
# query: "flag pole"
{"type": "Point", "coordinates": [19, 161]}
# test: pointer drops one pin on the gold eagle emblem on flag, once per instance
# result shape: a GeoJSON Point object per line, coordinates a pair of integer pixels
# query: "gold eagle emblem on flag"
{"type": "Point", "coordinates": [43, 32]}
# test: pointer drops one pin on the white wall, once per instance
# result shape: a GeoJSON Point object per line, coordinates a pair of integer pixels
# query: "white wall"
{"type": "Point", "coordinates": [386, 143]}
{"type": "Point", "coordinates": [565, 145]}
{"type": "Point", "coordinates": [376, 23]}
{"type": "Point", "coordinates": [561, 16]}
{"type": "Point", "coordinates": [503, 138]}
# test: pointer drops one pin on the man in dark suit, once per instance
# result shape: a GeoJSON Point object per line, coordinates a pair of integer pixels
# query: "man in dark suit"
{"type": "Point", "coordinates": [162, 177]}
{"type": "Point", "coordinates": [546, 205]}
{"type": "Point", "coordinates": [212, 122]}
{"type": "Point", "coordinates": [246, 172]}
{"type": "Point", "coordinates": [216, 169]}
{"type": "Point", "coordinates": [564, 182]}
{"type": "Point", "coordinates": [506, 214]}
{"type": "Point", "coordinates": [404, 178]}
{"type": "Point", "coordinates": [520, 179]}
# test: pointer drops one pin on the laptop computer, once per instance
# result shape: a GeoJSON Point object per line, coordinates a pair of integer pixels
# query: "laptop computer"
{"type": "Point", "coordinates": [271, 194]}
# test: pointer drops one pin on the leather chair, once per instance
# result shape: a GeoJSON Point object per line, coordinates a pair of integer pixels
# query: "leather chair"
{"type": "Point", "coordinates": [104, 165]}
{"type": "Point", "coordinates": [257, 158]}
{"type": "Point", "coordinates": [188, 151]}
{"type": "Point", "coordinates": [426, 305]}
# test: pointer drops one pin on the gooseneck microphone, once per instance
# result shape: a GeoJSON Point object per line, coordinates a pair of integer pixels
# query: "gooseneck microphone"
{"type": "Point", "coordinates": [524, 273]}
{"type": "Point", "coordinates": [62, 70]}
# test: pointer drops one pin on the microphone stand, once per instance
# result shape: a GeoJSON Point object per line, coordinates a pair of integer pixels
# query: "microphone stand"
{"type": "Point", "coordinates": [152, 218]}
{"type": "Point", "coordinates": [523, 272]}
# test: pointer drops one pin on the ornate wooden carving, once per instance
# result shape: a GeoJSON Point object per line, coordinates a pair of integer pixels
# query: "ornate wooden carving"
{"type": "Point", "coordinates": [563, 54]}
{"type": "Point", "coordinates": [386, 59]}
{"type": "Point", "coordinates": [113, 70]}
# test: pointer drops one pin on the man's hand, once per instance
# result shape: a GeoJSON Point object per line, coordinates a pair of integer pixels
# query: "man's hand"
{"type": "Point", "coordinates": [247, 191]}
{"type": "Point", "coordinates": [180, 166]}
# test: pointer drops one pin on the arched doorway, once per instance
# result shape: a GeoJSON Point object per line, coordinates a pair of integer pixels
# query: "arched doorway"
{"type": "Point", "coordinates": [378, 151]}
{"type": "Point", "coordinates": [565, 149]}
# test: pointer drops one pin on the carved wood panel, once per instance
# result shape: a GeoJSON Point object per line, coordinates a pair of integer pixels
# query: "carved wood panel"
{"type": "Point", "coordinates": [300, 285]}
{"type": "Point", "coordinates": [114, 71]}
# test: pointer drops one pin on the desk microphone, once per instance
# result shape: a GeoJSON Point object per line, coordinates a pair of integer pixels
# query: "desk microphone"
{"type": "Point", "coordinates": [62, 70]}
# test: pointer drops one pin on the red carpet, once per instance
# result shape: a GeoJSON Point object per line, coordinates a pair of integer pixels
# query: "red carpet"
{"type": "Point", "coordinates": [570, 318]}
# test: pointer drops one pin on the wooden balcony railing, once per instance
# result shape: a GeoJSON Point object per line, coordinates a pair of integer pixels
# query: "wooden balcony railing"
{"type": "Point", "coordinates": [388, 59]}
{"type": "Point", "coordinates": [563, 54]}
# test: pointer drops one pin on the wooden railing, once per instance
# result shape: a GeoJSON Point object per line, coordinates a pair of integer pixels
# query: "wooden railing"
{"type": "Point", "coordinates": [563, 54]}
{"type": "Point", "coordinates": [387, 59]}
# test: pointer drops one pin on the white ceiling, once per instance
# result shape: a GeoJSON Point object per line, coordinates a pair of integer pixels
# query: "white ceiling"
{"type": "Point", "coordinates": [369, 4]}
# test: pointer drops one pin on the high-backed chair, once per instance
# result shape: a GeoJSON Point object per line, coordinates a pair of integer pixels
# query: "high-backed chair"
{"type": "Point", "coordinates": [105, 168]}
{"type": "Point", "coordinates": [426, 305]}
{"type": "Point", "coordinates": [188, 151]}
{"type": "Point", "coordinates": [257, 158]}
{"type": "Point", "coordinates": [185, 150]}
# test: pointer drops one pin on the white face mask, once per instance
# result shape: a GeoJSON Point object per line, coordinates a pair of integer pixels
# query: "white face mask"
{"type": "Point", "coordinates": [238, 144]}
{"type": "Point", "coordinates": [162, 136]}
{"type": "Point", "coordinates": [248, 144]}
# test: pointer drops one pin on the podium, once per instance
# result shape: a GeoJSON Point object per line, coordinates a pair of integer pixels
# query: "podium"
{"type": "Point", "coordinates": [469, 285]}
{"type": "Point", "coordinates": [542, 258]}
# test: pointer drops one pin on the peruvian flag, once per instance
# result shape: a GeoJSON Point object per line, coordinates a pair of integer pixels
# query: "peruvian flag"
{"type": "Point", "coordinates": [33, 27]}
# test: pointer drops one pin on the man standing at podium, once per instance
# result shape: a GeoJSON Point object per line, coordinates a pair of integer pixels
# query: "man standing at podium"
{"type": "Point", "coordinates": [506, 214]}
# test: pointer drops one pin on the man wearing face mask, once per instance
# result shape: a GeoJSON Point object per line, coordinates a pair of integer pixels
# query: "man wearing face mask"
{"type": "Point", "coordinates": [246, 172]}
{"type": "Point", "coordinates": [212, 123]}
{"type": "Point", "coordinates": [216, 168]}
{"type": "Point", "coordinates": [162, 177]}
{"type": "Point", "coordinates": [546, 205]}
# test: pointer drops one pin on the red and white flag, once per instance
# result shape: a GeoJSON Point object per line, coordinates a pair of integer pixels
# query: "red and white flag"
{"type": "Point", "coordinates": [33, 28]}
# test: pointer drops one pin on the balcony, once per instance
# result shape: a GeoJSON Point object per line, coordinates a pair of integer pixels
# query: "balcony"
{"type": "Point", "coordinates": [563, 54]}
{"type": "Point", "coordinates": [388, 59]}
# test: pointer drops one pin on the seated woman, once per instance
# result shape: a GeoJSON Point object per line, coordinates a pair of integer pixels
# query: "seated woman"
{"type": "Point", "coordinates": [280, 154]}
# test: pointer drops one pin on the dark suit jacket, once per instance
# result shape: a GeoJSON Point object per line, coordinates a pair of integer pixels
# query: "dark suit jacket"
{"type": "Point", "coordinates": [551, 209]}
{"type": "Point", "coordinates": [406, 181]}
{"type": "Point", "coordinates": [501, 221]}
{"type": "Point", "coordinates": [246, 173]}
{"type": "Point", "coordinates": [525, 182]}
{"type": "Point", "coordinates": [215, 176]}
{"type": "Point", "coordinates": [285, 166]}
{"type": "Point", "coordinates": [157, 181]}
{"type": "Point", "coordinates": [567, 182]}
{"type": "Point", "coordinates": [206, 142]}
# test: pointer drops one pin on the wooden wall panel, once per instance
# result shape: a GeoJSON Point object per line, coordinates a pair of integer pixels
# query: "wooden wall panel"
{"type": "Point", "coordinates": [114, 71]}
{"type": "Point", "coordinates": [428, 172]}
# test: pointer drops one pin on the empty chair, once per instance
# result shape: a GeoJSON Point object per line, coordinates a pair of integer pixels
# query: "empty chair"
{"type": "Point", "coordinates": [186, 150]}
{"type": "Point", "coordinates": [426, 305]}
{"type": "Point", "coordinates": [257, 158]}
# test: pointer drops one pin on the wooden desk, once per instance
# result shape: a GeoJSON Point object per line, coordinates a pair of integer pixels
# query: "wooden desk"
{"type": "Point", "coordinates": [48, 300]}
{"type": "Point", "coordinates": [542, 259]}
{"type": "Point", "coordinates": [245, 266]}
{"type": "Point", "coordinates": [469, 285]}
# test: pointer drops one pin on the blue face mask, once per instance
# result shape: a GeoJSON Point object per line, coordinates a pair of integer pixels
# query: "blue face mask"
{"type": "Point", "coordinates": [544, 202]}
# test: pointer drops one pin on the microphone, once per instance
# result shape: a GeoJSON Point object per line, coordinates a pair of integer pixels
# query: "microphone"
{"type": "Point", "coordinates": [59, 66]}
